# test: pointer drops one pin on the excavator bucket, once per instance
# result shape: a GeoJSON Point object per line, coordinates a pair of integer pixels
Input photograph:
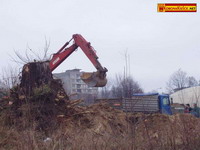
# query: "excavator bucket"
{"type": "Point", "coordinates": [93, 79]}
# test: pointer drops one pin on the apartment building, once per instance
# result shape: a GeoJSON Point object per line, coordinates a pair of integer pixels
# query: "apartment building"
{"type": "Point", "coordinates": [73, 84]}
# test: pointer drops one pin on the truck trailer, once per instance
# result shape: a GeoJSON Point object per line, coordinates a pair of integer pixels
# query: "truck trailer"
{"type": "Point", "coordinates": [145, 103]}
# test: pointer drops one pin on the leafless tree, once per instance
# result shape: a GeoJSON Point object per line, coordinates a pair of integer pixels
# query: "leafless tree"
{"type": "Point", "coordinates": [9, 78]}
{"type": "Point", "coordinates": [177, 81]}
{"type": "Point", "coordinates": [125, 87]}
{"type": "Point", "coordinates": [31, 55]}
{"type": "Point", "coordinates": [191, 81]}
{"type": "Point", "coordinates": [10, 75]}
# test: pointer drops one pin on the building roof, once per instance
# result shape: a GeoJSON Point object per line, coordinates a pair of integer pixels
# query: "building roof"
{"type": "Point", "coordinates": [149, 94]}
{"type": "Point", "coordinates": [73, 70]}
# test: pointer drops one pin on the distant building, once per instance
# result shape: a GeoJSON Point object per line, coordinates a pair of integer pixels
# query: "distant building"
{"type": "Point", "coordinates": [73, 85]}
{"type": "Point", "coordinates": [187, 96]}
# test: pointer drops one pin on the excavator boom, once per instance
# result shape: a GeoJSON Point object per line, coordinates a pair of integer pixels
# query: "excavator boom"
{"type": "Point", "coordinates": [93, 79]}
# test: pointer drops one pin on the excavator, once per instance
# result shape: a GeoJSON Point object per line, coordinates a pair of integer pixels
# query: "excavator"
{"type": "Point", "coordinates": [92, 79]}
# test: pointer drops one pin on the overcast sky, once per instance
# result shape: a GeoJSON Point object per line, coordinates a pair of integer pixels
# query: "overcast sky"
{"type": "Point", "coordinates": [158, 43]}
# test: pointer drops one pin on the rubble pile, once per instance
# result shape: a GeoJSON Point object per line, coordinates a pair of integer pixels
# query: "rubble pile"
{"type": "Point", "coordinates": [39, 108]}
{"type": "Point", "coordinates": [107, 125]}
{"type": "Point", "coordinates": [38, 100]}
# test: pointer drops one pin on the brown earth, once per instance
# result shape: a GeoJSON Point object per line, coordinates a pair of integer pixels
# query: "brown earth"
{"type": "Point", "coordinates": [39, 115]}
{"type": "Point", "coordinates": [114, 129]}
{"type": "Point", "coordinates": [102, 127]}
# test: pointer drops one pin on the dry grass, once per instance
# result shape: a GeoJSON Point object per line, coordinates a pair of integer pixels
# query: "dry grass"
{"type": "Point", "coordinates": [108, 130]}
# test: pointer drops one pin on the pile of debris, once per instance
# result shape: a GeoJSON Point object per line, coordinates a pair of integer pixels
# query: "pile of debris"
{"type": "Point", "coordinates": [103, 126]}
{"type": "Point", "coordinates": [39, 103]}
{"type": "Point", "coordinates": [38, 100]}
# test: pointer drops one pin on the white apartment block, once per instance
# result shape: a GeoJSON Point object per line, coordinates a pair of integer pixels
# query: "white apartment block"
{"type": "Point", "coordinates": [73, 84]}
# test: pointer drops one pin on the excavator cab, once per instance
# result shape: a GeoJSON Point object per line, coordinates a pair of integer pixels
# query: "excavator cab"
{"type": "Point", "coordinates": [94, 79]}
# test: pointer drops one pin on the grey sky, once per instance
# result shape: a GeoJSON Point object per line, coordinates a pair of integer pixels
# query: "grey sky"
{"type": "Point", "coordinates": [158, 43]}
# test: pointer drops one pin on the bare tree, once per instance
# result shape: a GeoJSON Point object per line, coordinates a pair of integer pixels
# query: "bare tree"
{"type": "Point", "coordinates": [31, 55]}
{"type": "Point", "coordinates": [9, 78]}
{"type": "Point", "coordinates": [177, 81]}
{"type": "Point", "coordinates": [125, 87]}
{"type": "Point", "coordinates": [191, 81]}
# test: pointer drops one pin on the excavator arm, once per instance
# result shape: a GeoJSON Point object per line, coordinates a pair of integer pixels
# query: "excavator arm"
{"type": "Point", "coordinates": [94, 79]}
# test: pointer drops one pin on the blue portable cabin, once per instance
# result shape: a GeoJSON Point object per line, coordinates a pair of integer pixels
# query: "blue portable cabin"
{"type": "Point", "coordinates": [163, 102]}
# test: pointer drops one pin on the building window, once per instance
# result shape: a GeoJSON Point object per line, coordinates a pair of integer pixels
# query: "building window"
{"type": "Point", "coordinates": [78, 86]}
{"type": "Point", "coordinates": [78, 80]}
{"type": "Point", "coordinates": [79, 90]}
{"type": "Point", "coordinates": [72, 76]}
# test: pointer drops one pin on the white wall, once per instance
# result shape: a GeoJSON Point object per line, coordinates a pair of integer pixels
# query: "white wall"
{"type": "Point", "coordinates": [187, 96]}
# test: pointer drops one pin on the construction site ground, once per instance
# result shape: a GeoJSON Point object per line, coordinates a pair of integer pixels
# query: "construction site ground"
{"type": "Point", "coordinates": [38, 115]}
{"type": "Point", "coordinates": [102, 127]}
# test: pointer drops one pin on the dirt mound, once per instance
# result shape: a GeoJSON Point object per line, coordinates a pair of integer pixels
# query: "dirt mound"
{"type": "Point", "coordinates": [98, 118]}
{"type": "Point", "coordinates": [102, 127]}
{"type": "Point", "coordinates": [140, 131]}
{"type": "Point", "coordinates": [37, 101]}
{"type": "Point", "coordinates": [38, 110]}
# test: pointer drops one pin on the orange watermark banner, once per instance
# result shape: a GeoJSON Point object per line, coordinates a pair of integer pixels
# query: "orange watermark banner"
{"type": "Point", "coordinates": [177, 7]}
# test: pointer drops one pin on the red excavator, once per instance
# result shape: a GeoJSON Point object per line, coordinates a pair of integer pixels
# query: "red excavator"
{"type": "Point", "coordinates": [92, 79]}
